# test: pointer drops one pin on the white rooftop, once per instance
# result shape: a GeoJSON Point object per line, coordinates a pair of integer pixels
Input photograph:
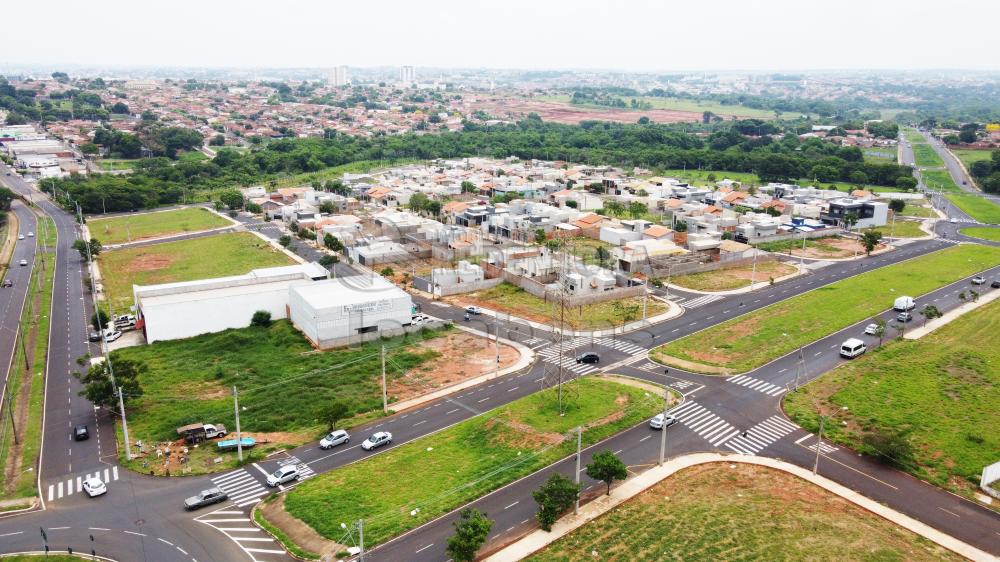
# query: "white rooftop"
{"type": "Point", "coordinates": [356, 289]}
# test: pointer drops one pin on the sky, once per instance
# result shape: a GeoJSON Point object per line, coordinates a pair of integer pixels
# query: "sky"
{"type": "Point", "coordinates": [628, 35]}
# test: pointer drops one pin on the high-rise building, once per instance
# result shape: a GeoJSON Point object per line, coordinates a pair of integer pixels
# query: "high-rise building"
{"type": "Point", "coordinates": [338, 76]}
{"type": "Point", "coordinates": [406, 75]}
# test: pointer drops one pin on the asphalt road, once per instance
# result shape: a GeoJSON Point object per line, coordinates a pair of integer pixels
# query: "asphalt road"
{"type": "Point", "coordinates": [12, 299]}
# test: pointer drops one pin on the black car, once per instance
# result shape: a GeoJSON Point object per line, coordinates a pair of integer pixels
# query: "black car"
{"type": "Point", "coordinates": [588, 357]}
{"type": "Point", "coordinates": [81, 433]}
{"type": "Point", "coordinates": [205, 497]}
{"type": "Point", "coordinates": [995, 284]}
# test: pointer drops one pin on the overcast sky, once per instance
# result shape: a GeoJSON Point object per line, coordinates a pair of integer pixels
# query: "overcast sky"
{"type": "Point", "coordinates": [623, 34]}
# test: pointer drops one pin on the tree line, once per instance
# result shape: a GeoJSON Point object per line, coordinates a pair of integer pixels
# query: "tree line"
{"type": "Point", "coordinates": [987, 173]}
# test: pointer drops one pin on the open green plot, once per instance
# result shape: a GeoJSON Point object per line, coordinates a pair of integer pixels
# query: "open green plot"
{"type": "Point", "coordinates": [337, 172]}
{"type": "Point", "coordinates": [754, 339]}
{"type": "Point", "coordinates": [977, 207]}
{"type": "Point", "coordinates": [880, 154]}
{"type": "Point", "coordinates": [116, 164]}
{"type": "Point", "coordinates": [679, 104]}
{"type": "Point", "coordinates": [939, 180]}
{"type": "Point", "coordinates": [941, 390]}
{"type": "Point", "coordinates": [130, 228]}
{"type": "Point", "coordinates": [925, 156]}
{"type": "Point", "coordinates": [183, 260]}
{"type": "Point", "coordinates": [900, 229]}
{"type": "Point", "coordinates": [745, 513]}
{"type": "Point", "coordinates": [705, 178]}
{"type": "Point", "coordinates": [969, 156]}
{"type": "Point", "coordinates": [450, 468]}
{"type": "Point", "coordinates": [914, 135]}
{"type": "Point", "coordinates": [729, 278]}
{"type": "Point", "coordinates": [917, 209]}
{"type": "Point", "coordinates": [982, 232]}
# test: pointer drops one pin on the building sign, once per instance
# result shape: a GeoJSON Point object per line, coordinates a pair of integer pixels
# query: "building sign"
{"type": "Point", "coordinates": [365, 307]}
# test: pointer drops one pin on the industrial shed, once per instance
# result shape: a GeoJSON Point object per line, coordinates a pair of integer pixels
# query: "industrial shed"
{"type": "Point", "coordinates": [340, 311]}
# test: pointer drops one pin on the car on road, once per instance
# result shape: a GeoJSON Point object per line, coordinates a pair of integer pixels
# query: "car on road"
{"type": "Point", "coordinates": [283, 475]}
{"type": "Point", "coordinates": [81, 433]}
{"type": "Point", "coordinates": [94, 487]}
{"type": "Point", "coordinates": [94, 336]}
{"type": "Point", "coordinates": [31, 234]}
{"type": "Point", "coordinates": [904, 317]}
{"type": "Point", "coordinates": [334, 438]}
{"type": "Point", "coordinates": [20, 237]}
{"type": "Point", "coordinates": [112, 335]}
{"type": "Point", "coordinates": [419, 319]}
{"type": "Point", "coordinates": [588, 357]}
{"type": "Point", "coordinates": [978, 280]}
{"type": "Point", "coordinates": [871, 329]}
{"type": "Point", "coordinates": [853, 347]}
{"type": "Point", "coordinates": [205, 497]}
{"type": "Point", "coordinates": [24, 262]}
{"type": "Point", "coordinates": [7, 283]}
{"type": "Point", "coordinates": [995, 284]}
{"type": "Point", "coordinates": [658, 421]}
{"type": "Point", "coordinates": [473, 310]}
{"type": "Point", "coordinates": [953, 221]}
{"type": "Point", "coordinates": [377, 440]}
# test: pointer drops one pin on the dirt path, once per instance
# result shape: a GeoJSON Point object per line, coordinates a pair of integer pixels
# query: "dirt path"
{"type": "Point", "coordinates": [298, 532]}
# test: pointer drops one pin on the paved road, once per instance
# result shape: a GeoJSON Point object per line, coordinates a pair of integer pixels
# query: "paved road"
{"type": "Point", "coordinates": [12, 299]}
{"type": "Point", "coordinates": [958, 175]}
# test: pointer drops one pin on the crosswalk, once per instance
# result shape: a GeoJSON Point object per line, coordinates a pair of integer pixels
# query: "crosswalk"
{"type": "Point", "coordinates": [699, 419]}
{"type": "Point", "coordinates": [242, 487]}
{"type": "Point", "coordinates": [74, 484]}
{"type": "Point", "coordinates": [565, 352]}
{"type": "Point", "coordinates": [760, 436]}
{"type": "Point", "coordinates": [696, 302]}
{"type": "Point", "coordinates": [236, 525]}
{"type": "Point", "coordinates": [824, 448]}
{"type": "Point", "coordinates": [758, 385]}
{"type": "Point", "coordinates": [533, 341]}
{"type": "Point", "coordinates": [305, 471]}
{"type": "Point", "coordinates": [964, 219]}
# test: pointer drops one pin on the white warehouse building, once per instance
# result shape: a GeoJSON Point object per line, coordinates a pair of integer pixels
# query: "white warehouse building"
{"type": "Point", "coordinates": [336, 312]}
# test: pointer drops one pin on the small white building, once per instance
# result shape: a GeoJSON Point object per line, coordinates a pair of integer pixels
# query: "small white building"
{"type": "Point", "coordinates": [336, 311]}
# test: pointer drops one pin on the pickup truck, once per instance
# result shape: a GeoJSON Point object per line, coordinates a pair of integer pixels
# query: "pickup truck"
{"type": "Point", "coordinates": [199, 431]}
{"type": "Point", "coordinates": [231, 444]}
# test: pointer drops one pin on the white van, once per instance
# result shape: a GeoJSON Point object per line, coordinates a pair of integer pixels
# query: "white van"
{"type": "Point", "coordinates": [852, 348]}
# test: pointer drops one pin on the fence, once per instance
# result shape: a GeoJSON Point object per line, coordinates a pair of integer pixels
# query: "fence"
{"type": "Point", "coordinates": [991, 475]}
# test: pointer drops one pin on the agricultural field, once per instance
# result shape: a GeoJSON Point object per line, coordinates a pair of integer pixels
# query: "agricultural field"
{"type": "Point", "coordinates": [131, 228]}
{"type": "Point", "coordinates": [979, 208]}
{"type": "Point", "coordinates": [183, 260]}
{"type": "Point", "coordinates": [939, 390]}
{"type": "Point", "coordinates": [510, 299]}
{"type": "Point", "coordinates": [465, 461]}
{"type": "Point", "coordinates": [745, 513]}
{"type": "Point", "coordinates": [754, 339]}
{"type": "Point", "coordinates": [983, 232]}
{"type": "Point", "coordinates": [731, 278]}
{"type": "Point", "coordinates": [925, 157]}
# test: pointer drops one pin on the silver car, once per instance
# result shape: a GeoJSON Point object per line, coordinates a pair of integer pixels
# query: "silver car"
{"type": "Point", "coordinates": [658, 421]}
{"type": "Point", "coordinates": [334, 438]}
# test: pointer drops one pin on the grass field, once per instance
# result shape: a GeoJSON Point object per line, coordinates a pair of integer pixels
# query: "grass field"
{"type": "Point", "coordinates": [732, 277]}
{"type": "Point", "coordinates": [747, 342]}
{"type": "Point", "coordinates": [700, 178]}
{"type": "Point", "coordinates": [914, 135]}
{"type": "Point", "coordinates": [465, 461]}
{"type": "Point", "coordinates": [881, 154]}
{"type": "Point", "coordinates": [825, 247]}
{"type": "Point", "coordinates": [982, 232]}
{"type": "Point", "coordinates": [979, 208]}
{"type": "Point", "coordinates": [116, 164]}
{"type": "Point", "coordinates": [183, 260]}
{"type": "Point", "coordinates": [511, 299]}
{"type": "Point", "coordinates": [901, 229]}
{"type": "Point", "coordinates": [925, 156]}
{"type": "Point", "coordinates": [917, 209]}
{"type": "Point", "coordinates": [741, 514]}
{"type": "Point", "coordinates": [942, 389]}
{"type": "Point", "coordinates": [586, 248]}
{"type": "Point", "coordinates": [969, 156]}
{"type": "Point", "coordinates": [939, 180]}
{"type": "Point", "coordinates": [337, 172]}
{"type": "Point", "coordinates": [677, 104]}
{"type": "Point", "coordinates": [116, 230]}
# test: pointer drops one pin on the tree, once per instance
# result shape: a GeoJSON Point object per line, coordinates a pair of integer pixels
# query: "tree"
{"type": "Point", "coordinates": [555, 496]}
{"type": "Point", "coordinates": [539, 236]}
{"type": "Point", "coordinates": [858, 178]}
{"type": "Point", "coordinates": [614, 208]}
{"type": "Point", "coordinates": [637, 209]}
{"type": "Point", "coordinates": [979, 168]}
{"type": "Point", "coordinates": [119, 108]}
{"type": "Point", "coordinates": [81, 246]}
{"type": "Point", "coordinates": [334, 412]}
{"type": "Point", "coordinates": [967, 136]}
{"type": "Point", "coordinates": [285, 240]}
{"type": "Point", "coordinates": [850, 219]}
{"type": "Point", "coordinates": [870, 239]}
{"type": "Point", "coordinates": [602, 255]}
{"type": "Point", "coordinates": [261, 318]}
{"type": "Point", "coordinates": [99, 319]}
{"type": "Point", "coordinates": [232, 198]}
{"type": "Point", "coordinates": [906, 183]}
{"type": "Point", "coordinates": [897, 205]}
{"type": "Point", "coordinates": [387, 272]}
{"type": "Point", "coordinates": [553, 244]}
{"type": "Point", "coordinates": [418, 201]}
{"type": "Point", "coordinates": [607, 467]}
{"type": "Point", "coordinates": [468, 187]}
{"type": "Point", "coordinates": [327, 260]}
{"type": "Point", "coordinates": [332, 242]}
{"type": "Point", "coordinates": [97, 386]}
{"type": "Point", "coordinates": [89, 148]}
{"type": "Point", "coordinates": [880, 324]}
{"type": "Point", "coordinates": [218, 140]}
{"type": "Point", "coordinates": [572, 204]}
{"type": "Point", "coordinates": [471, 531]}
{"type": "Point", "coordinates": [644, 120]}
{"type": "Point", "coordinates": [890, 447]}
{"type": "Point", "coordinates": [930, 312]}
{"type": "Point", "coordinates": [327, 208]}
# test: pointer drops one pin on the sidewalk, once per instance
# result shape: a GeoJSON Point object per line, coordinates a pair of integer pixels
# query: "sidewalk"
{"type": "Point", "coordinates": [539, 539]}
{"type": "Point", "coordinates": [953, 314]}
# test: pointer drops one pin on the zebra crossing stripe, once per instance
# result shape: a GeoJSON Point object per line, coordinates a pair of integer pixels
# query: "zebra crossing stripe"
{"type": "Point", "coordinates": [761, 435]}
{"type": "Point", "coordinates": [757, 384]}
{"type": "Point", "coordinates": [701, 301]}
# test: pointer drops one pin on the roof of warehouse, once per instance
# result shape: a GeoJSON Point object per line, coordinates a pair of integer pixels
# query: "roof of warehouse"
{"type": "Point", "coordinates": [331, 293]}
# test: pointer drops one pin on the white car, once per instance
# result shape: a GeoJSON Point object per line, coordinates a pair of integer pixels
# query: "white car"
{"type": "Point", "coordinates": [871, 329]}
{"type": "Point", "coordinates": [953, 221]}
{"type": "Point", "coordinates": [31, 234]}
{"type": "Point", "coordinates": [473, 310]}
{"type": "Point", "coordinates": [94, 487]}
{"type": "Point", "coordinates": [283, 475]}
{"type": "Point", "coordinates": [20, 237]}
{"type": "Point", "coordinates": [112, 335]}
{"type": "Point", "coordinates": [978, 280]}
{"type": "Point", "coordinates": [657, 421]}
{"type": "Point", "coordinates": [23, 263]}
{"type": "Point", "coordinates": [337, 437]}
{"type": "Point", "coordinates": [377, 440]}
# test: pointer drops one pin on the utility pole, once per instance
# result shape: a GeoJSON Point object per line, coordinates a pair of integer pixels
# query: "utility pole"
{"type": "Point", "coordinates": [24, 351]}
{"type": "Point", "coordinates": [128, 444]}
{"type": "Point", "coordinates": [576, 475]}
{"type": "Point", "coordinates": [663, 434]}
{"type": "Point", "coordinates": [496, 326]}
{"type": "Point", "coordinates": [385, 397]}
{"type": "Point", "coordinates": [753, 271]}
{"type": "Point", "coordinates": [361, 539]}
{"type": "Point", "coordinates": [239, 435]}
{"type": "Point", "coordinates": [13, 426]}
{"type": "Point", "coordinates": [562, 310]}
{"type": "Point", "coordinates": [819, 442]}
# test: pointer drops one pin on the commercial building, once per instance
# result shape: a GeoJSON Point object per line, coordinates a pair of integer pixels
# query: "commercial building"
{"type": "Point", "coordinates": [407, 75]}
{"type": "Point", "coordinates": [335, 312]}
{"type": "Point", "coordinates": [338, 76]}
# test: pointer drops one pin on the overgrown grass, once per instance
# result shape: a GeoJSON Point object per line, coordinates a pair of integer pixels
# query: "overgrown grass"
{"type": "Point", "coordinates": [979, 208]}
{"type": "Point", "coordinates": [925, 156]}
{"type": "Point", "coordinates": [822, 246]}
{"type": "Point", "coordinates": [969, 156]}
{"type": "Point", "coordinates": [745, 513]}
{"type": "Point", "coordinates": [733, 277]}
{"type": "Point", "coordinates": [939, 180]}
{"type": "Point", "coordinates": [942, 389]}
{"type": "Point", "coordinates": [183, 260]}
{"type": "Point", "coordinates": [459, 464]}
{"type": "Point", "coordinates": [982, 232]}
{"type": "Point", "coordinates": [336, 172]}
{"type": "Point", "coordinates": [750, 341]}
{"type": "Point", "coordinates": [917, 209]}
{"type": "Point", "coordinates": [880, 154]}
{"type": "Point", "coordinates": [900, 229]}
{"type": "Point", "coordinates": [280, 535]}
{"type": "Point", "coordinates": [127, 228]}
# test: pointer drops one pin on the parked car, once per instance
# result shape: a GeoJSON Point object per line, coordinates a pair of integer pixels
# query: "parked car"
{"type": "Point", "coordinates": [871, 329]}
{"type": "Point", "coordinates": [94, 487]}
{"type": "Point", "coordinates": [978, 280]}
{"type": "Point", "coordinates": [94, 336]}
{"type": "Point", "coordinates": [904, 317]}
{"type": "Point", "coordinates": [334, 438]}
{"type": "Point", "coordinates": [283, 475]}
{"type": "Point", "coordinates": [81, 433]}
{"type": "Point", "coordinates": [853, 347]}
{"type": "Point", "coordinates": [112, 335]}
{"type": "Point", "coordinates": [377, 440]}
{"type": "Point", "coordinates": [7, 283]}
{"type": "Point", "coordinates": [24, 263]}
{"type": "Point", "coordinates": [473, 310]}
{"type": "Point", "coordinates": [995, 285]}
{"type": "Point", "coordinates": [419, 319]}
{"type": "Point", "coordinates": [588, 357]}
{"type": "Point", "coordinates": [205, 497]}
{"type": "Point", "coordinates": [657, 421]}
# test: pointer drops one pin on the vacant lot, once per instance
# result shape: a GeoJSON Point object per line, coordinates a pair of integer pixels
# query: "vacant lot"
{"type": "Point", "coordinates": [586, 248]}
{"type": "Point", "coordinates": [746, 513]}
{"type": "Point", "coordinates": [518, 302]}
{"type": "Point", "coordinates": [747, 342]}
{"type": "Point", "coordinates": [733, 277]}
{"type": "Point", "coordinates": [828, 247]}
{"type": "Point", "coordinates": [465, 461]}
{"type": "Point", "coordinates": [982, 232]}
{"type": "Point", "coordinates": [881, 154]}
{"type": "Point", "coordinates": [939, 180]}
{"type": "Point", "coordinates": [183, 260]}
{"type": "Point", "coordinates": [925, 157]}
{"type": "Point", "coordinates": [979, 208]}
{"type": "Point", "coordinates": [917, 209]}
{"type": "Point", "coordinates": [969, 156]}
{"type": "Point", "coordinates": [900, 229]}
{"type": "Point", "coordinates": [130, 228]}
{"type": "Point", "coordinates": [942, 389]}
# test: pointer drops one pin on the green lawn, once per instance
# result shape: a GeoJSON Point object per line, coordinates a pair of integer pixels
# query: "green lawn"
{"type": "Point", "coordinates": [730, 278]}
{"type": "Point", "coordinates": [518, 302]}
{"type": "Point", "coordinates": [941, 388]}
{"type": "Point", "coordinates": [740, 514]}
{"type": "Point", "coordinates": [969, 156]}
{"type": "Point", "coordinates": [939, 180]}
{"type": "Point", "coordinates": [925, 156]}
{"type": "Point", "coordinates": [979, 208]}
{"type": "Point", "coordinates": [901, 229]}
{"type": "Point", "coordinates": [700, 178]}
{"type": "Point", "coordinates": [914, 136]}
{"type": "Point", "coordinates": [447, 469]}
{"type": "Point", "coordinates": [881, 154]}
{"type": "Point", "coordinates": [677, 104]}
{"type": "Point", "coordinates": [116, 164]}
{"type": "Point", "coordinates": [982, 232]}
{"type": "Point", "coordinates": [117, 230]}
{"type": "Point", "coordinates": [750, 341]}
{"type": "Point", "coordinates": [917, 209]}
{"type": "Point", "coordinates": [183, 260]}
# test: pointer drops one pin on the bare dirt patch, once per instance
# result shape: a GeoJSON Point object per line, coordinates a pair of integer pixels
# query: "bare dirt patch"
{"type": "Point", "coordinates": [834, 248]}
{"type": "Point", "coordinates": [523, 435]}
{"type": "Point", "coordinates": [150, 262]}
{"type": "Point", "coordinates": [301, 534]}
{"type": "Point", "coordinates": [557, 112]}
